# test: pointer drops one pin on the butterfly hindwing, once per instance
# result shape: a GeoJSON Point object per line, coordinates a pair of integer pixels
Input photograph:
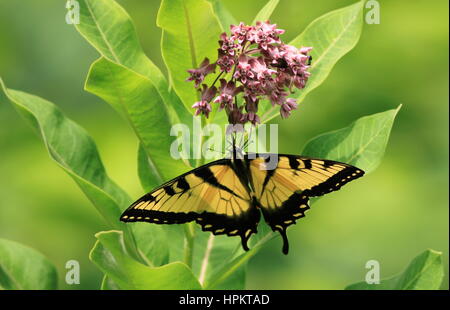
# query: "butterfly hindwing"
{"type": "Point", "coordinates": [211, 195]}
{"type": "Point", "coordinates": [283, 193]}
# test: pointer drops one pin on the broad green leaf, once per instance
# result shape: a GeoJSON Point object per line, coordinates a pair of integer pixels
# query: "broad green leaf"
{"type": "Point", "coordinates": [146, 170]}
{"type": "Point", "coordinates": [109, 29]}
{"type": "Point", "coordinates": [215, 256]}
{"type": "Point", "coordinates": [108, 284]}
{"type": "Point", "coordinates": [361, 144]}
{"type": "Point", "coordinates": [265, 13]}
{"type": "Point", "coordinates": [425, 272]}
{"type": "Point", "coordinates": [211, 253]}
{"type": "Point", "coordinates": [224, 16]}
{"type": "Point", "coordinates": [24, 268]}
{"type": "Point", "coordinates": [190, 33]}
{"type": "Point", "coordinates": [139, 100]}
{"type": "Point", "coordinates": [220, 262]}
{"type": "Point", "coordinates": [332, 36]}
{"type": "Point", "coordinates": [75, 152]}
{"type": "Point", "coordinates": [152, 242]}
{"type": "Point", "coordinates": [111, 256]}
{"type": "Point", "coordinates": [232, 271]}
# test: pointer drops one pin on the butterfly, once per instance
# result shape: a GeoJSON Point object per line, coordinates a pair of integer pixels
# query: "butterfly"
{"type": "Point", "coordinates": [227, 196]}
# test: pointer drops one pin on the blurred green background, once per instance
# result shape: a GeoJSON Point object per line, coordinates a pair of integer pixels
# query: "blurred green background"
{"type": "Point", "coordinates": [390, 215]}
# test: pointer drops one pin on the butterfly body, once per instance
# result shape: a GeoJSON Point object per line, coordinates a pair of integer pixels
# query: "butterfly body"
{"type": "Point", "coordinates": [227, 196]}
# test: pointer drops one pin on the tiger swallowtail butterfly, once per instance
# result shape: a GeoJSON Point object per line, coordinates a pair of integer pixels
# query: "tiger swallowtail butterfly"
{"type": "Point", "coordinates": [227, 196]}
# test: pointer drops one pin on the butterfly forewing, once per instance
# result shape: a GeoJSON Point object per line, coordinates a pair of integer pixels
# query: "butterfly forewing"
{"type": "Point", "coordinates": [211, 195]}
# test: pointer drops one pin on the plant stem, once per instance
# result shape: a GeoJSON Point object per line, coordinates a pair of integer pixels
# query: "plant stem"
{"type": "Point", "coordinates": [189, 234]}
{"type": "Point", "coordinates": [218, 76]}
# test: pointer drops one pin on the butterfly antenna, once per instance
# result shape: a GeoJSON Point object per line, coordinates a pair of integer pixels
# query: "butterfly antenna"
{"type": "Point", "coordinates": [249, 140]}
{"type": "Point", "coordinates": [211, 149]}
{"type": "Point", "coordinates": [247, 144]}
{"type": "Point", "coordinates": [234, 147]}
{"type": "Point", "coordinates": [240, 141]}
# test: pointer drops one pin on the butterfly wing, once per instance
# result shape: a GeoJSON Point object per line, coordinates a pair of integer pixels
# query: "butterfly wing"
{"type": "Point", "coordinates": [283, 193]}
{"type": "Point", "coordinates": [211, 195]}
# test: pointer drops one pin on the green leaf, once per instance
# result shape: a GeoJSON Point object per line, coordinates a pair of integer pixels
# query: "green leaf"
{"type": "Point", "coordinates": [75, 152]}
{"type": "Point", "coordinates": [361, 144]}
{"type": "Point", "coordinates": [265, 13]}
{"type": "Point", "coordinates": [108, 284]}
{"type": "Point", "coordinates": [224, 16]}
{"type": "Point", "coordinates": [425, 272]}
{"type": "Point", "coordinates": [231, 272]}
{"type": "Point", "coordinates": [152, 242]}
{"type": "Point", "coordinates": [332, 36]}
{"type": "Point", "coordinates": [139, 100]}
{"type": "Point", "coordinates": [23, 268]}
{"type": "Point", "coordinates": [110, 255]}
{"type": "Point", "coordinates": [215, 256]}
{"type": "Point", "coordinates": [109, 29]}
{"type": "Point", "coordinates": [146, 174]}
{"type": "Point", "coordinates": [190, 33]}
{"type": "Point", "coordinates": [211, 253]}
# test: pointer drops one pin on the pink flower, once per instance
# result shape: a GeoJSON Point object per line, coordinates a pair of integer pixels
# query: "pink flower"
{"type": "Point", "coordinates": [243, 69]}
{"type": "Point", "coordinates": [273, 54]}
{"type": "Point", "coordinates": [262, 67]}
{"type": "Point", "coordinates": [293, 56]}
{"type": "Point", "coordinates": [300, 80]}
{"type": "Point", "coordinates": [250, 117]}
{"type": "Point", "coordinates": [287, 107]}
{"type": "Point", "coordinates": [253, 90]}
{"type": "Point", "coordinates": [266, 34]}
{"type": "Point", "coordinates": [263, 73]}
{"type": "Point", "coordinates": [277, 96]}
{"type": "Point", "coordinates": [198, 75]}
{"type": "Point", "coordinates": [253, 72]}
{"type": "Point", "coordinates": [235, 116]}
{"type": "Point", "coordinates": [203, 105]}
{"type": "Point", "coordinates": [283, 79]}
{"type": "Point", "coordinates": [251, 103]}
{"type": "Point", "coordinates": [241, 32]}
{"type": "Point", "coordinates": [251, 106]}
{"type": "Point", "coordinates": [227, 93]}
{"type": "Point", "coordinates": [225, 62]}
{"type": "Point", "coordinates": [227, 45]}
{"type": "Point", "coordinates": [305, 50]}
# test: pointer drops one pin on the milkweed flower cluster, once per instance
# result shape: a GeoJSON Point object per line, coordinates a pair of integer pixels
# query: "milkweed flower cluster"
{"type": "Point", "coordinates": [255, 63]}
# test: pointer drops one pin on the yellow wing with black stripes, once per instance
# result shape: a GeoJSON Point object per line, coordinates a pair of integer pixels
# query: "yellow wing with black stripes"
{"type": "Point", "coordinates": [225, 196]}
{"type": "Point", "coordinates": [211, 195]}
{"type": "Point", "coordinates": [283, 193]}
